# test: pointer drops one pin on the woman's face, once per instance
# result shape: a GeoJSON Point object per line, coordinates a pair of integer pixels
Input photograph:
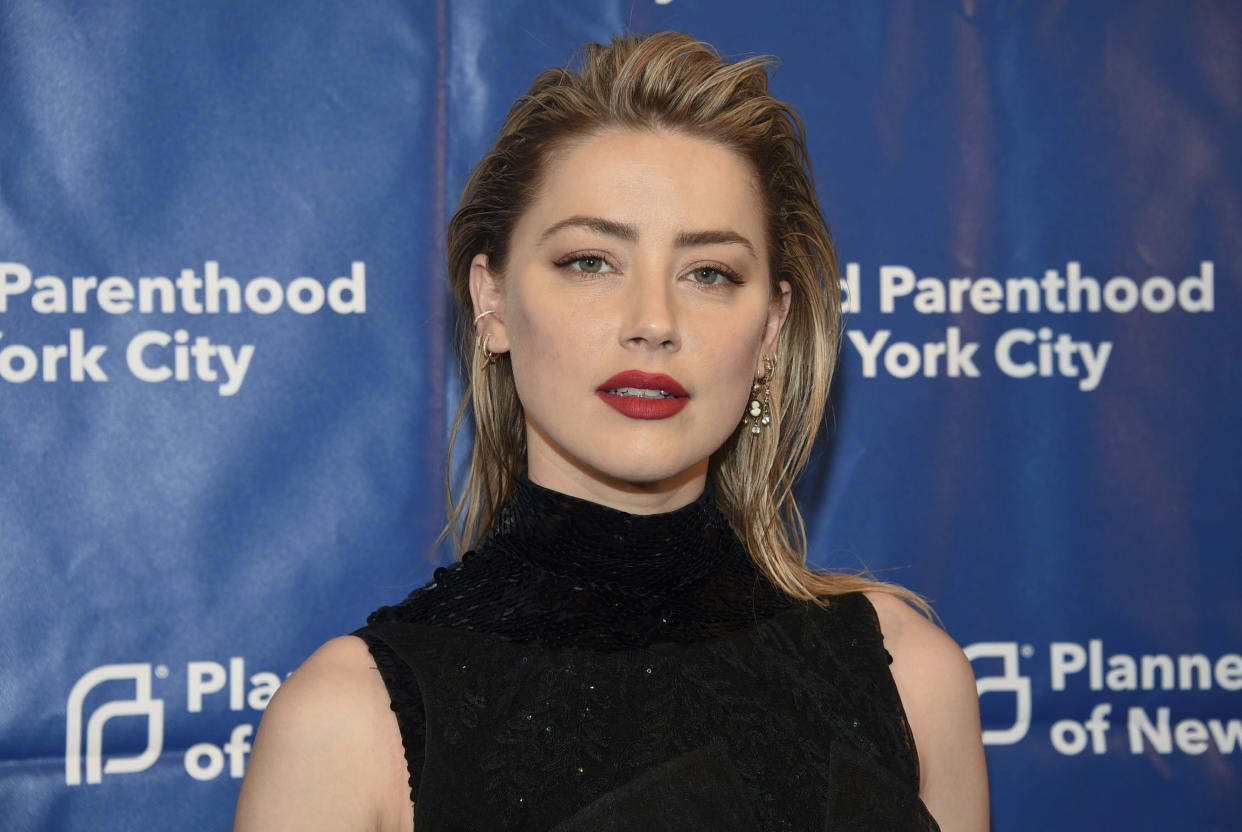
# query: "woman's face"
{"type": "Point", "coordinates": [643, 253]}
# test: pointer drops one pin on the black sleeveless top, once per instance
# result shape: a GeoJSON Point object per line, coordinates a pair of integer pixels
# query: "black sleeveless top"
{"type": "Point", "coordinates": [588, 669]}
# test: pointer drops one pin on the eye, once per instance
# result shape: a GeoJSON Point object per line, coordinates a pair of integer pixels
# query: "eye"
{"type": "Point", "coordinates": [714, 276]}
{"type": "Point", "coordinates": [585, 263]}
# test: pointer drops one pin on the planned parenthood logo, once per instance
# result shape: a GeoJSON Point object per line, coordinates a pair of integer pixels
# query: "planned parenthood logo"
{"type": "Point", "coordinates": [127, 692]}
{"type": "Point", "coordinates": [1009, 681]}
{"type": "Point", "coordinates": [1100, 701]}
{"type": "Point", "coordinates": [142, 704]}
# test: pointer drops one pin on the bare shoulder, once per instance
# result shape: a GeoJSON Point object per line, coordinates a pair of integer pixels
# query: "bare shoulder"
{"type": "Point", "coordinates": [328, 753]}
{"type": "Point", "coordinates": [923, 647]}
{"type": "Point", "coordinates": [937, 689]}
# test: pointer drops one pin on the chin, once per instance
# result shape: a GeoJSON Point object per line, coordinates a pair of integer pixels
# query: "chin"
{"type": "Point", "coordinates": [642, 469]}
{"type": "Point", "coordinates": [644, 455]}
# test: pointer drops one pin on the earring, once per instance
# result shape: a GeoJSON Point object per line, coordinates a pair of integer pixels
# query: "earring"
{"type": "Point", "coordinates": [759, 411]}
{"type": "Point", "coordinates": [489, 357]}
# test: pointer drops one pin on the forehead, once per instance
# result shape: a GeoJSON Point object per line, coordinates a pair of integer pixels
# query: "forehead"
{"type": "Point", "coordinates": [657, 180]}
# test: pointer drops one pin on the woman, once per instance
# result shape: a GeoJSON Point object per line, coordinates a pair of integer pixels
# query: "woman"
{"type": "Point", "coordinates": [635, 641]}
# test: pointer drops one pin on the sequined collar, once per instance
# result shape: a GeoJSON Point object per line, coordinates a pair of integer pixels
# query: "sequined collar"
{"type": "Point", "coordinates": [640, 554]}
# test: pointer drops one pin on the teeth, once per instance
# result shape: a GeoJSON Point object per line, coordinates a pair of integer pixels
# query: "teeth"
{"type": "Point", "coordinates": [641, 392]}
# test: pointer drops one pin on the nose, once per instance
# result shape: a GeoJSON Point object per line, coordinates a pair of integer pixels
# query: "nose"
{"type": "Point", "coordinates": [649, 320]}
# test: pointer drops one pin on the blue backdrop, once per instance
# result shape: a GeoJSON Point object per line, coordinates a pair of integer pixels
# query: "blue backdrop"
{"type": "Point", "coordinates": [225, 369]}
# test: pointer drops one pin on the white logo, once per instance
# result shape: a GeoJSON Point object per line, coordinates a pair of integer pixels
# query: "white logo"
{"type": "Point", "coordinates": [1009, 681]}
{"type": "Point", "coordinates": [210, 686]}
{"type": "Point", "coordinates": [141, 705]}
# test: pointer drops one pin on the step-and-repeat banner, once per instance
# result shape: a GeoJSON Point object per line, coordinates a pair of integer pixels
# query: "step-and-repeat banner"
{"type": "Point", "coordinates": [226, 372]}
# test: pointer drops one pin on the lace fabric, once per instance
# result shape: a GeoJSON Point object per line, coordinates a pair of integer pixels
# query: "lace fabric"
{"type": "Point", "coordinates": [588, 664]}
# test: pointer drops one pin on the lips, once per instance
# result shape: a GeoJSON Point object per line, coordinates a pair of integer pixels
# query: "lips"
{"type": "Point", "coordinates": [640, 395]}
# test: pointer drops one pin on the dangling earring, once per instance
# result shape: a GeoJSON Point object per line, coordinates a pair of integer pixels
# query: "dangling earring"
{"type": "Point", "coordinates": [489, 357]}
{"type": "Point", "coordinates": [759, 411]}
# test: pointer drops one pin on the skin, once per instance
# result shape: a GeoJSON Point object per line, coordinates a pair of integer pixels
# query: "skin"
{"type": "Point", "coordinates": [603, 247]}
{"type": "Point", "coordinates": [638, 300]}
{"type": "Point", "coordinates": [937, 689]}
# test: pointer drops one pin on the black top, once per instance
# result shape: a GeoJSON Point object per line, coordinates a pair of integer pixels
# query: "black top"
{"type": "Point", "coordinates": [588, 669]}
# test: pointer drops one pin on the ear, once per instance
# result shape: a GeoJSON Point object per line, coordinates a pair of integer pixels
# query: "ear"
{"type": "Point", "coordinates": [778, 311]}
{"type": "Point", "coordinates": [487, 293]}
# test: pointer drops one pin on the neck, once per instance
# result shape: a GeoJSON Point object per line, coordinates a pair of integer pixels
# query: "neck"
{"type": "Point", "coordinates": [563, 570]}
{"type": "Point", "coordinates": [636, 492]}
{"type": "Point", "coordinates": [588, 542]}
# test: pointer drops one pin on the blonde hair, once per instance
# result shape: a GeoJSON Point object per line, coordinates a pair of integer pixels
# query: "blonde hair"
{"type": "Point", "coordinates": [666, 81]}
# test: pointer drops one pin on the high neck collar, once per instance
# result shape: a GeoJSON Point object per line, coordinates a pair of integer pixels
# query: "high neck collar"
{"type": "Point", "coordinates": [645, 554]}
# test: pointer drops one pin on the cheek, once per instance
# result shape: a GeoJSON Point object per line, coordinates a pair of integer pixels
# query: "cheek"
{"type": "Point", "coordinates": [738, 384]}
{"type": "Point", "coordinates": [548, 354]}
{"type": "Point", "coordinates": [733, 353]}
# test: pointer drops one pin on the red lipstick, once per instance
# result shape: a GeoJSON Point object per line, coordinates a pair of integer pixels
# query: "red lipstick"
{"type": "Point", "coordinates": [622, 393]}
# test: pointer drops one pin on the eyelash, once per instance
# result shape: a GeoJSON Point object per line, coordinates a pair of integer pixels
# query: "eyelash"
{"type": "Point", "coordinates": [728, 274]}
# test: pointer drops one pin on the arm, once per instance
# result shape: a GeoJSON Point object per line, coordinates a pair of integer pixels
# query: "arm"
{"type": "Point", "coordinates": [328, 753]}
{"type": "Point", "coordinates": [937, 689]}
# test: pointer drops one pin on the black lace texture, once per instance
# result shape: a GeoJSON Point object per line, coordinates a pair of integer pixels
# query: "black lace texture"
{"type": "Point", "coordinates": [591, 669]}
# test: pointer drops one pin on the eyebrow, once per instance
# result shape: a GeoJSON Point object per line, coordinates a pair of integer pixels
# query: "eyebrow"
{"type": "Point", "coordinates": [629, 233]}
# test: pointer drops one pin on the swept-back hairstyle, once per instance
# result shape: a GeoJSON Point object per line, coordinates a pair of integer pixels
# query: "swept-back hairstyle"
{"type": "Point", "coordinates": [667, 81]}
